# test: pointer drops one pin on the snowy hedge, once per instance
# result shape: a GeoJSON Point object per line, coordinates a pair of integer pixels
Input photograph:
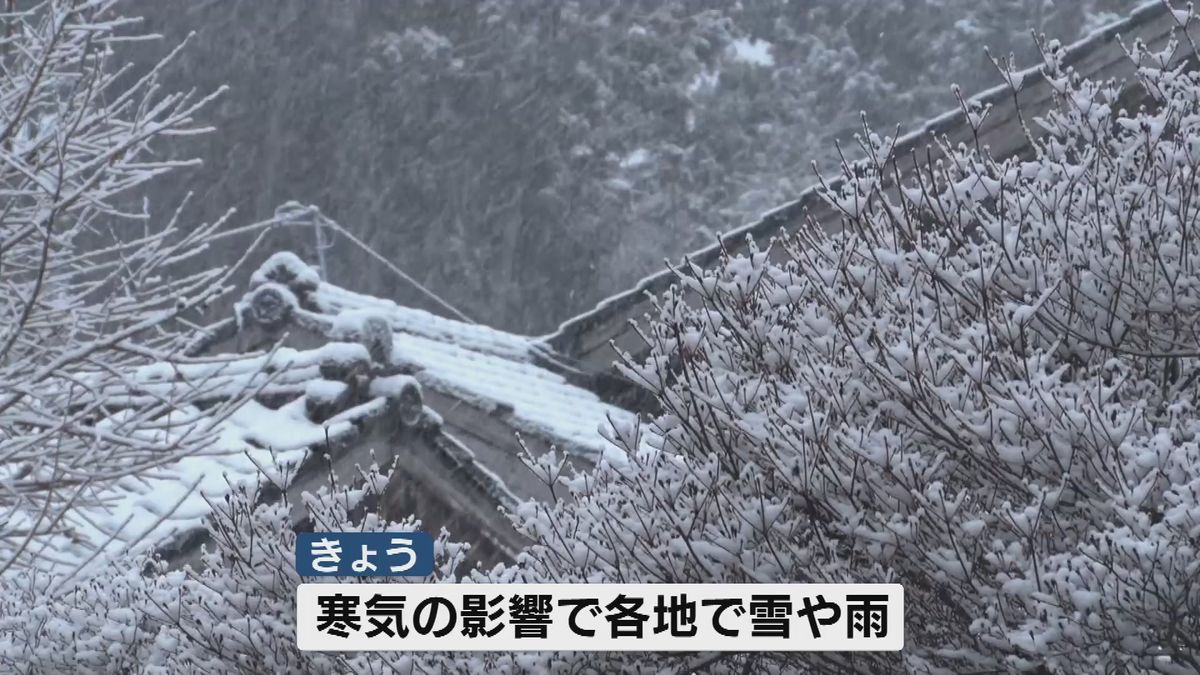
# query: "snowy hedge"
{"type": "Point", "coordinates": [982, 388]}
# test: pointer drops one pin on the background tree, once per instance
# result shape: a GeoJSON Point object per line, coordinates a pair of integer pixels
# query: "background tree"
{"type": "Point", "coordinates": [88, 291]}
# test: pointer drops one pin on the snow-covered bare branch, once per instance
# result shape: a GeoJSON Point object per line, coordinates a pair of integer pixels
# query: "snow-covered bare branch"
{"type": "Point", "coordinates": [983, 388]}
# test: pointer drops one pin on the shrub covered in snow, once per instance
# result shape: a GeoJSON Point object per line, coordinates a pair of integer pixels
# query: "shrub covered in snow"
{"type": "Point", "coordinates": [983, 388]}
{"type": "Point", "coordinates": [285, 267]}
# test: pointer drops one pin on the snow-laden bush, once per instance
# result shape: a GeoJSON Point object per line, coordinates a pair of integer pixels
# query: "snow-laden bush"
{"type": "Point", "coordinates": [982, 388]}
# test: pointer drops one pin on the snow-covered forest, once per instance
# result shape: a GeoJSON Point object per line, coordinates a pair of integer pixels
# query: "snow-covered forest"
{"type": "Point", "coordinates": [981, 385]}
{"type": "Point", "coordinates": [525, 159]}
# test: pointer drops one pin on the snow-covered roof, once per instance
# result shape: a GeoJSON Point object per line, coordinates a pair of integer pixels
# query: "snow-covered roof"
{"type": "Point", "coordinates": [586, 337]}
{"type": "Point", "coordinates": [323, 370]}
{"type": "Point", "coordinates": [171, 499]}
{"type": "Point", "coordinates": [509, 376]}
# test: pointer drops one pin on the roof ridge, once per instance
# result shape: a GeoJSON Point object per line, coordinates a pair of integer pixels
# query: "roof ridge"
{"type": "Point", "coordinates": [777, 219]}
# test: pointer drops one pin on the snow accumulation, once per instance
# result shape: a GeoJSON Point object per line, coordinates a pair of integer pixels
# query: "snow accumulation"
{"type": "Point", "coordinates": [342, 353]}
{"type": "Point", "coordinates": [283, 371]}
{"type": "Point", "coordinates": [754, 52]}
{"type": "Point", "coordinates": [291, 264]}
{"type": "Point", "coordinates": [705, 80]}
{"type": "Point", "coordinates": [757, 52]}
{"type": "Point", "coordinates": [483, 366]}
{"type": "Point", "coordinates": [637, 158]}
{"type": "Point", "coordinates": [333, 300]}
{"type": "Point", "coordinates": [542, 402]}
{"type": "Point", "coordinates": [773, 218]}
{"type": "Point", "coordinates": [393, 385]}
{"type": "Point", "coordinates": [325, 391]}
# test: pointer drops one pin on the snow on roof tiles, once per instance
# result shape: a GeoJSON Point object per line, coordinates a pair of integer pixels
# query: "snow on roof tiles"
{"type": "Point", "coordinates": [299, 402]}
{"type": "Point", "coordinates": [541, 402]}
{"type": "Point", "coordinates": [171, 498]}
{"type": "Point", "coordinates": [334, 300]}
{"type": "Point", "coordinates": [316, 413]}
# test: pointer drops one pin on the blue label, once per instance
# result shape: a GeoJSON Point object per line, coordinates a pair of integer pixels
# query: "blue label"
{"type": "Point", "coordinates": [364, 554]}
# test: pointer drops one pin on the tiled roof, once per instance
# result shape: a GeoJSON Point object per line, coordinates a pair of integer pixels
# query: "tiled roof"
{"type": "Point", "coordinates": [586, 337]}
